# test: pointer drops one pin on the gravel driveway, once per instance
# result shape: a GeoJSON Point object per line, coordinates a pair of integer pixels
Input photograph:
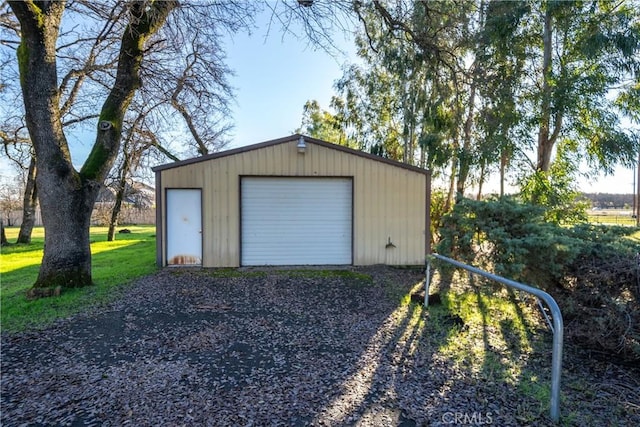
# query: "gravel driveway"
{"type": "Point", "coordinates": [198, 347]}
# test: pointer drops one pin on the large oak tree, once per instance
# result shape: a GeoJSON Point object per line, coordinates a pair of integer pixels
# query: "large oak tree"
{"type": "Point", "coordinates": [67, 195]}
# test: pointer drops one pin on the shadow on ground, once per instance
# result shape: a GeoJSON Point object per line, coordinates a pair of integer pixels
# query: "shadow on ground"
{"type": "Point", "coordinates": [224, 347]}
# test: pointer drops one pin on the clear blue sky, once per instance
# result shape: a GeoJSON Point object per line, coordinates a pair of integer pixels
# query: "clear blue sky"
{"type": "Point", "coordinates": [274, 77]}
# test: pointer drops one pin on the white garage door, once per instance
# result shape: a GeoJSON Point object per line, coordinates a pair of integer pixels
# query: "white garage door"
{"type": "Point", "coordinates": [296, 221]}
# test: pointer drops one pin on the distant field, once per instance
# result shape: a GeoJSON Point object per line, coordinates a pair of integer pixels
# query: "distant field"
{"type": "Point", "coordinates": [611, 216]}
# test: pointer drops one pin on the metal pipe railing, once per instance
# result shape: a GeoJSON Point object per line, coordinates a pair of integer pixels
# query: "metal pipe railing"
{"type": "Point", "coordinates": [556, 359]}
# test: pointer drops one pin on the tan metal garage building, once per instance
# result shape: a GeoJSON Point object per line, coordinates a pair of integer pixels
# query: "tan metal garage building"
{"type": "Point", "coordinates": [291, 201]}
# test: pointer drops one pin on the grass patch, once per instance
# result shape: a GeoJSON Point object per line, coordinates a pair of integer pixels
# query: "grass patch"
{"type": "Point", "coordinates": [351, 276]}
{"type": "Point", "coordinates": [359, 278]}
{"type": "Point", "coordinates": [114, 263]}
{"type": "Point", "coordinates": [495, 335]}
{"type": "Point", "coordinates": [489, 335]}
{"type": "Point", "coordinates": [231, 272]}
{"type": "Point", "coordinates": [612, 219]}
{"type": "Point", "coordinates": [353, 279]}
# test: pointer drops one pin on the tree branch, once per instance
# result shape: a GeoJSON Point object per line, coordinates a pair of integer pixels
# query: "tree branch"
{"type": "Point", "coordinates": [80, 119]}
{"type": "Point", "coordinates": [145, 20]}
{"type": "Point", "coordinates": [154, 142]}
{"type": "Point", "coordinates": [202, 147]}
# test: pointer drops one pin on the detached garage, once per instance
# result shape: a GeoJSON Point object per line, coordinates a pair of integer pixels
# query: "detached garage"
{"type": "Point", "coordinates": [291, 201]}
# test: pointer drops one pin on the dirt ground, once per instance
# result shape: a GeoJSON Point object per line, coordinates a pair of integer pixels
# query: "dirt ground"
{"type": "Point", "coordinates": [254, 348]}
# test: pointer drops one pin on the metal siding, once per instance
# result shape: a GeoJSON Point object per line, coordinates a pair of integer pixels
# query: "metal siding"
{"type": "Point", "coordinates": [384, 201]}
{"type": "Point", "coordinates": [209, 250]}
{"type": "Point", "coordinates": [159, 221]}
{"type": "Point", "coordinates": [362, 216]}
{"type": "Point", "coordinates": [296, 221]}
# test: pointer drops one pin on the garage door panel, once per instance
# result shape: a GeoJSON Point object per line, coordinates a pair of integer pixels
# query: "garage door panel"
{"type": "Point", "coordinates": [296, 221]}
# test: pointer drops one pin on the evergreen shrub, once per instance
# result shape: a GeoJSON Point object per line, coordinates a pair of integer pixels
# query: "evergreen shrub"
{"type": "Point", "coordinates": [591, 270]}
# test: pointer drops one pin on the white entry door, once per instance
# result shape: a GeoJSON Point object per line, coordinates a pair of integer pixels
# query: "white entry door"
{"type": "Point", "coordinates": [184, 227]}
{"type": "Point", "coordinates": [296, 221]}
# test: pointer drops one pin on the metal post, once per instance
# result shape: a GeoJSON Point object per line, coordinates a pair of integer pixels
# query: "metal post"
{"type": "Point", "coordinates": [637, 195]}
{"type": "Point", "coordinates": [427, 281]}
{"type": "Point", "coordinates": [556, 358]}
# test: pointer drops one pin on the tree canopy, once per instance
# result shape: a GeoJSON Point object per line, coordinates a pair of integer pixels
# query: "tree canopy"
{"type": "Point", "coordinates": [486, 85]}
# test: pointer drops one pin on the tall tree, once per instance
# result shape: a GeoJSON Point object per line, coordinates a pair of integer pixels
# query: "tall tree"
{"type": "Point", "coordinates": [404, 76]}
{"type": "Point", "coordinates": [140, 140]}
{"type": "Point", "coordinates": [323, 124]}
{"type": "Point", "coordinates": [67, 195]}
{"type": "Point", "coordinates": [416, 79]}
{"type": "Point", "coordinates": [629, 102]}
{"type": "Point", "coordinates": [502, 56]}
{"type": "Point", "coordinates": [19, 150]}
{"type": "Point", "coordinates": [588, 49]}
{"type": "Point", "coordinates": [3, 235]}
{"type": "Point", "coordinates": [14, 137]}
{"type": "Point", "coordinates": [528, 74]}
{"type": "Point", "coordinates": [29, 204]}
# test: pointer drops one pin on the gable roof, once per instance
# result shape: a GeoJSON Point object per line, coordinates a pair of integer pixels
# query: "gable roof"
{"type": "Point", "coordinates": [286, 139]}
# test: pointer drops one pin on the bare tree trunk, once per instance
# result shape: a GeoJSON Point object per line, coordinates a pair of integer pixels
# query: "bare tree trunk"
{"type": "Point", "coordinates": [544, 144]}
{"type": "Point", "coordinates": [452, 185]}
{"type": "Point", "coordinates": [115, 212]}
{"type": "Point", "coordinates": [638, 193]}
{"type": "Point", "coordinates": [127, 154]}
{"type": "Point", "coordinates": [481, 180]}
{"type": "Point", "coordinates": [67, 196]}
{"type": "Point", "coordinates": [409, 136]}
{"type": "Point", "coordinates": [465, 156]}
{"type": "Point", "coordinates": [117, 206]}
{"type": "Point", "coordinates": [3, 237]}
{"type": "Point", "coordinates": [503, 169]}
{"type": "Point", "coordinates": [66, 214]}
{"type": "Point", "coordinates": [29, 204]}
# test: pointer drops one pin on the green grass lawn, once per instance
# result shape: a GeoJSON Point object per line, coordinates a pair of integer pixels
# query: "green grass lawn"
{"type": "Point", "coordinates": [114, 264]}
